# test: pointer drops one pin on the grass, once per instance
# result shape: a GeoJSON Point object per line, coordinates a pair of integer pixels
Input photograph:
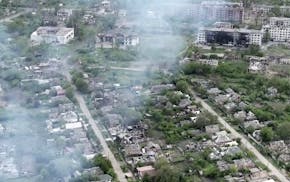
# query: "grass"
{"type": "Point", "coordinates": [282, 69]}
{"type": "Point", "coordinates": [279, 50]}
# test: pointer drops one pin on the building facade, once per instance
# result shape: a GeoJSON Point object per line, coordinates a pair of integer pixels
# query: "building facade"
{"type": "Point", "coordinates": [278, 29]}
{"type": "Point", "coordinates": [222, 11]}
{"type": "Point", "coordinates": [116, 40]}
{"type": "Point", "coordinates": [230, 36]}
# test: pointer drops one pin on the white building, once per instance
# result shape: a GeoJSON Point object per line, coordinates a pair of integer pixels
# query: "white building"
{"type": "Point", "coordinates": [279, 21]}
{"type": "Point", "coordinates": [222, 11]}
{"type": "Point", "coordinates": [57, 35]}
{"type": "Point", "coordinates": [131, 40]}
{"type": "Point", "coordinates": [278, 29]}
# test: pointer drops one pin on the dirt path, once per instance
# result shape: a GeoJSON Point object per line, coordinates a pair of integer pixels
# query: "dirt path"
{"type": "Point", "coordinates": [9, 18]}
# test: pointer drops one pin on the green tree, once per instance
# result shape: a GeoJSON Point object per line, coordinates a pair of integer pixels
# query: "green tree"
{"type": "Point", "coordinates": [283, 131]}
{"type": "Point", "coordinates": [211, 171]}
{"type": "Point", "coordinates": [276, 11]}
{"type": "Point", "coordinates": [104, 163]}
{"type": "Point", "coordinates": [182, 86]}
{"type": "Point", "coordinates": [267, 134]}
{"type": "Point", "coordinates": [82, 85]}
{"type": "Point", "coordinates": [267, 37]}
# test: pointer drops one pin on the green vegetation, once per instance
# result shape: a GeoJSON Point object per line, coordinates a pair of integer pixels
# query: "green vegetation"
{"type": "Point", "coordinates": [104, 164]}
{"type": "Point", "coordinates": [267, 134]}
{"type": "Point", "coordinates": [80, 82]}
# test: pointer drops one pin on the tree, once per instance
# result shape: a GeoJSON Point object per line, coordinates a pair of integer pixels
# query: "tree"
{"type": "Point", "coordinates": [104, 163]}
{"type": "Point", "coordinates": [211, 171]}
{"type": "Point", "coordinates": [205, 119]}
{"type": "Point", "coordinates": [182, 86]}
{"type": "Point", "coordinates": [267, 134]}
{"type": "Point", "coordinates": [82, 85]}
{"type": "Point", "coordinates": [284, 131]}
{"type": "Point", "coordinates": [276, 11]}
{"type": "Point", "coordinates": [267, 37]}
{"type": "Point", "coordinates": [196, 68]}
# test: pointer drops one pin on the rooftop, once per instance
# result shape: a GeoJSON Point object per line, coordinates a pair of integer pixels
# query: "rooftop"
{"type": "Point", "coordinates": [240, 30]}
{"type": "Point", "coordinates": [59, 31]}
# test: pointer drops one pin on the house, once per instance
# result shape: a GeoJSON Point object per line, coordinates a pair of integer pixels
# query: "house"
{"type": "Point", "coordinates": [55, 35]}
{"type": "Point", "coordinates": [241, 115]}
{"type": "Point", "coordinates": [257, 67]}
{"type": "Point", "coordinates": [230, 107]}
{"type": "Point", "coordinates": [146, 170]}
{"type": "Point", "coordinates": [59, 90]}
{"type": "Point", "coordinates": [255, 124]}
{"type": "Point", "coordinates": [221, 99]}
{"type": "Point", "coordinates": [250, 116]}
{"type": "Point", "coordinates": [104, 178]}
{"type": "Point", "coordinates": [94, 171]}
{"type": "Point", "coordinates": [212, 129]}
{"type": "Point", "coordinates": [133, 150]}
{"type": "Point", "coordinates": [233, 150]}
{"type": "Point", "coordinates": [244, 163]}
{"type": "Point", "coordinates": [214, 91]}
{"type": "Point", "coordinates": [211, 62]}
{"type": "Point", "coordinates": [278, 147]}
{"type": "Point", "coordinates": [257, 175]}
{"type": "Point", "coordinates": [71, 126]}
{"type": "Point", "coordinates": [272, 92]}
{"type": "Point", "coordinates": [221, 137]}
{"type": "Point", "coordinates": [223, 166]}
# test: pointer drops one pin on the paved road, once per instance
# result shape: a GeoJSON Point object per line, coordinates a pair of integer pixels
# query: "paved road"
{"type": "Point", "coordinates": [274, 170]}
{"type": "Point", "coordinates": [106, 150]}
{"type": "Point", "coordinates": [9, 18]}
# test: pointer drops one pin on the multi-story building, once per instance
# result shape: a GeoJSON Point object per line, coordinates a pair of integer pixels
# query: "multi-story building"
{"type": "Point", "coordinates": [116, 39]}
{"type": "Point", "coordinates": [279, 21]}
{"type": "Point", "coordinates": [63, 15]}
{"type": "Point", "coordinates": [230, 36]}
{"type": "Point", "coordinates": [278, 29]}
{"type": "Point", "coordinates": [265, 9]}
{"type": "Point", "coordinates": [222, 11]}
{"type": "Point", "coordinates": [57, 35]}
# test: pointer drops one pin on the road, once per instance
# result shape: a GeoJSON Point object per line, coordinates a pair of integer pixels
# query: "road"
{"type": "Point", "coordinates": [106, 150]}
{"type": "Point", "coordinates": [9, 18]}
{"type": "Point", "coordinates": [274, 170]}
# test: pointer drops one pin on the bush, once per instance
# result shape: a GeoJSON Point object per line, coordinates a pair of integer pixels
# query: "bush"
{"type": "Point", "coordinates": [196, 68]}
{"type": "Point", "coordinates": [267, 134]}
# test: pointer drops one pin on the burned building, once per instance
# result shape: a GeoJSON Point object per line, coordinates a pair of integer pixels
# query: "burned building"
{"type": "Point", "coordinates": [116, 39]}
{"type": "Point", "coordinates": [222, 11]}
{"type": "Point", "coordinates": [228, 36]}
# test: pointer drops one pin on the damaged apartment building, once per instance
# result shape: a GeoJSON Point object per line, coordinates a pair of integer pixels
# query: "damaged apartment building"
{"type": "Point", "coordinates": [117, 39]}
{"type": "Point", "coordinates": [222, 11]}
{"type": "Point", "coordinates": [225, 35]}
{"type": "Point", "coordinates": [56, 35]}
{"type": "Point", "coordinates": [278, 29]}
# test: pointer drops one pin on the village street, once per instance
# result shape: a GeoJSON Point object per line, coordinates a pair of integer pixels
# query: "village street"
{"type": "Point", "coordinates": [9, 18]}
{"type": "Point", "coordinates": [273, 170]}
{"type": "Point", "coordinates": [106, 150]}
